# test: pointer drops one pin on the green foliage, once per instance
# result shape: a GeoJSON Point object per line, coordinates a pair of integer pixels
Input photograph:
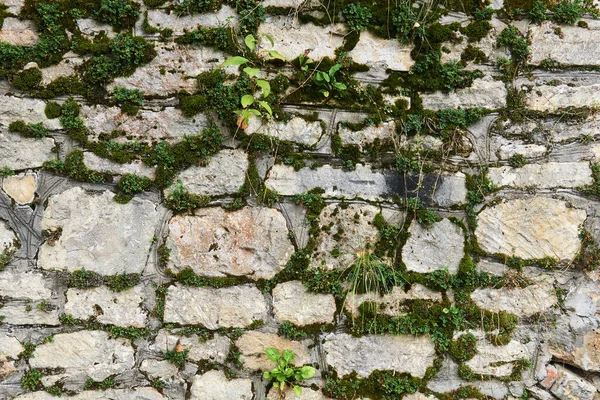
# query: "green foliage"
{"type": "Point", "coordinates": [568, 12]}
{"type": "Point", "coordinates": [406, 164]}
{"type": "Point", "coordinates": [290, 331]}
{"type": "Point", "coordinates": [357, 17]}
{"type": "Point", "coordinates": [180, 200]}
{"type": "Point", "coordinates": [512, 39]}
{"type": "Point", "coordinates": [190, 7]}
{"type": "Point", "coordinates": [176, 357]}
{"type": "Point", "coordinates": [132, 184]}
{"type": "Point", "coordinates": [251, 14]}
{"type": "Point", "coordinates": [398, 385]}
{"type": "Point", "coordinates": [458, 118]}
{"type": "Point", "coordinates": [129, 99]}
{"type": "Point", "coordinates": [52, 110]}
{"type": "Point", "coordinates": [7, 254]}
{"type": "Point", "coordinates": [28, 349]}
{"type": "Point", "coordinates": [463, 348]}
{"type": "Point", "coordinates": [477, 30]}
{"type": "Point", "coordinates": [36, 130]}
{"type": "Point", "coordinates": [84, 279]}
{"type": "Point", "coordinates": [28, 79]}
{"type": "Point", "coordinates": [327, 81]}
{"type": "Point", "coordinates": [593, 189]}
{"type": "Point", "coordinates": [6, 171]}
{"type": "Point", "coordinates": [32, 380]}
{"type": "Point", "coordinates": [121, 282]}
{"type": "Point", "coordinates": [285, 373]}
{"type": "Point", "coordinates": [121, 14]}
{"type": "Point", "coordinates": [537, 13]}
{"type": "Point", "coordinates": [517, 160]}
{"type": "Point", "coordinates": [75, 168]}
{"type": "Point", "coordinates": [404, 18]}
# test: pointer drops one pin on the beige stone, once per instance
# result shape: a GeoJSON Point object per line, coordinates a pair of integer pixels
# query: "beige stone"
{"type": "Point", "coordinates": [21, 187]}
{"type": "Point", "coordinates": [522, 302]}
{"type": "Point", "coordinates": [382, 53]}
{"type": "Point", "coordinates": [253, 344]}
{"type": "Point", "coordinates": [18, 32]}
{"type": "Point", "coordinates": [293, 303]}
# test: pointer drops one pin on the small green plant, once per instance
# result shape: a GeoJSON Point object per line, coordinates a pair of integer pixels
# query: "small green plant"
{"type": "Point", "coordinates": [177, 356]}
{"type": "Point", "coordinates": [357, 17]}
{"type": "Point", "coordinates": [52, 110]}
{"type": "Point", "coordinates": [129, 100]}
{"type": "Point", "coordinates": [180, 200]}
{"type": "Point", "coordinates": [517, 160]}
{"type": "Point", "coordinates": [285, 373]}
{"type": "Point", "coordinates": [512, 39]}
{"type": "Point", "coordinates": [569, 12]}
{"type": "Point", "coordinates": [121, 14]}
{"type": "Point", "coordinates": [327, 81]}
{"type": "Point", "coordinates": [36, 130]}
{"type": "Point", "coordinates": [132, 184]}
{"type": "Point", "coordinates": [32, 380]}
{"type": "Point", "coordinates": [537, 13]}
{"type": "Point", "coordinates": [6, 171]}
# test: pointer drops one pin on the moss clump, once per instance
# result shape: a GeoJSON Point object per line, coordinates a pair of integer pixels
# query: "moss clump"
{"type": "Point", "coordinates": [512, 39]}
{"type": "Point", "coordinates": [131, 184]}
{"type": "Point", "coordinates": [219, 38]}
{"type": "Point", "coordinates": [476, 30]}
{"type": "Point", "coordinates": [36, 131]}
{"type": "Point", "coordinates": [129, 100]}
{"type": "Point", "coordinates": [357, 17]}
{"type": "Point", "coordinates": [121, 282]}
{"type": "Point", "coordinates": [471, 53]}
{"type": "Point", "coordinates": [463, 348]}
{"type": "Point", "coordinates": [52, 110]}
{"type": "Point", "coordinates": [180, 200]}
{"type": "Point", "coordinates": [120, 14]}
{"type": "Point", "coordinates": [28, 79]}
{"type": "Point", "coordinates": [191, 105]}
{"type": "Point", "coordinates": [568, 12]}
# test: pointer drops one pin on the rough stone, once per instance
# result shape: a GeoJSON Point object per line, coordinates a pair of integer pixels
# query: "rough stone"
{"type": "Point", "coordinates": [9, 348]}
{"type": "Point", "coordinates": [21, 188]}
{"type": "Point", "coordinates": [404, 354]}
{"type": "Point", "coordinates": [29, 285]}
{"type": "Point", "coordinates": [292, 39]}
{"type": "Point", "coordinates": [297, 130]}
{"type": "Point", "coordinates": [552, 92]}
{"type": "Point", "coordinates": [522, 302]}
{"type": "Point", "coordinates": [8, 240]}
{"type": "Point", "coordinates": [345, 235]}
{"type": "Point", "coordinates": [18, 32]}
{"type": "Point", "coordinates": [383, 132]}
{"type": "Point", "coordinates": [391, 303]}
{"type": "Point", "coordinates": [181, 23]}
{"type": "Point", "coordinates": [122, 308]}
{"type": "Point", "coordinates": [252, 345]}
{"type": "Point", "coordinates": [213, 385]}
{"type": "Point", "coordinates": [212, 350]}
{"type": "Point", "coordinates": [158, 369]}
{"type": "Point", "coordinates": [569, 386]}
{"type": "Point", "coordinates": [98, 234]}
{"type": "Point", "coordinates": [307, 394]}
{"type": "Point", "coordinates": [66, 67]}
{"type": "Point", "coordinates": [85, 353]}
{"type": "Point", "coordinates": [25, 313]}
{"type": "Point", "coordinates": [139, 393]}
{"type": "Point", "coordinates": [576, 341]}
{"type": "Point", "coordinates": [167, 124]}
{"type": "Point", "coordinates": [485, 92]}
{"type": "Point", "coordinates": [18, 152]}
{"type": "Point", "coordinates": [547, 175]}
{"type": "Point", "coordinates": [224, 174]}
{"type": "Point", "coordinates": [90, 28]}
{"type": "Point", "coordinates": [574, 46]}
{"type": "Point", "coordinates": [534, 227]}
{"type": "Point", "coordinates": [381, 53]}
{"type": "Point", "coordinates": [436, 248]}
{"type": "Point", "coordinates": [231, 307]}
{"type": "Point", "coordinates": [28, 110]}
{"type": "Point", "coordinates": [495, 360]}
{"type": "Point", "coordinates": [136, 167]}
{"type": "Point", "coordinates": [250, 242]}
{"type": "Point", "coordinates": [13, 6]}
{"type": "Point", "coordinates": [293, 303]}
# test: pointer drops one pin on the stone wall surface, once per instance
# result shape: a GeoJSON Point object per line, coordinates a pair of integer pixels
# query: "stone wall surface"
{"type": "Point", "coordinates": [405, 195]}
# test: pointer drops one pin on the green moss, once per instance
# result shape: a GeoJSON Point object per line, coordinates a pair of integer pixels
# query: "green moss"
{"type": "Point", "coordinates": [31, 380]}
{"type": "Point", "coordinates": [180, 200]}
{"type": "Point", "coordinates": [568, 12]}
{"type": "Point", "coordinates": [219, 38]}
{"type": "Point", "coordinates": [471, 53]}
{"type": "Point", "coordinates": [467, 6]}
{"type": "Point", "coordinates": [131, 184]}
{"type": "Point", "coordinates": [84, 279]}
{"type": "Point", "coordinates": [52, 110]}
{"type": "Point", "coordinates": [120, 14]}
{"type": "Point", "coordinates": [28, 79]}
{"type": "Point", "coordinates": [357, 17]}
{"type": "Point", "coordinates": [512, 39]}
{"type": "Point", "coordinates": [121, 282]}
{"type": "Point", "coordinates": [476, 30]}
{"type": "Point", "coordinates": [463, 348]}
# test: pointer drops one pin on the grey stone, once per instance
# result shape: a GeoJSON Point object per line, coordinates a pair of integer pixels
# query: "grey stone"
{"type": "Point", "coordinates": [497, 361]}
{"type": "Point", "coordinates": [249, 242]}
{"type": "Point", "coordinates": [366, 354]}
{"type": "Point", "coordinates": [24, 313]}
{"type": "Point", "coordinates": [116, 308]}
{"type": "Point", "coordinates": [534, 227]}
{"type": "Point", "coordinates": [436, 248]}
{"type": "Point", "coordinates": [9, 348]}
{"type": "Point", "coordinates": [385, 131]}
{"type": "Point", "coordinates": [450, 190]}
{"type": "Point", "coordinates": [292, 39]}
{"type": "Point", "coordinates": [136, 167]}
{"type": "Point", "coordinates": [139, 393]}
{"type": "Point", "coordinates": [447, 378]}
{"type": "Point", "coordinates": [381, 53]}
{"type": "Point", "coordinates": [25, 109]}
{"type": "Point", "coordinates": [522, 302]}
{"type": "Point", "coordinates": [293, 303]}
{"type": "Point", "coordinates": [573, 46]}
{"type": "Point", "coordinates": [8, 240]}
{"type": "Point", "coordinates": [213, 385]}
{"type": "Point", "coordinates": [231, 307]}
{"type": "Point", "coordinates": [98, 234]}
{"type": "Point", "coordinates": [85, 353]}
{"type": "Point", "coordinates": [552, 92]}
{"type": "Point", "coordinates": [212, 350]}
{"type": "Point", "coordinates": [252, 346]}
{"type": "Point", "coordinates": [343, 235]}
{"type": "Point", "coordinates": [569, 386]}
{"type": "Point", "coordinates": [159, 369]}
{"type": "Point", "coordinates": [297, 129]}
{"type": "Point", "coordinates": [224, 174]}
{"type": "Point", "coordinates": [29, 285]}
{"type": "Point", "coordinates": [547, 175]}
{"type": "Point", "coordinates": [18, 152]}
{"type": "Point", "coordinates": [18, 32]}
{"type": "Point", "coordinates": [485, 92]}
{"type": "Point", "coordinates": [13, 6]}
{"type": "Point", "coordinates": [66, 67]}
{"type": "Point", "coordinates": [575, 340]}
{"type": "Point", "coordinates": [181, 23]}
{"type": "Point", "coordinates": [307, 394]}
{"type": "Point", "coordinates": [90, 28]}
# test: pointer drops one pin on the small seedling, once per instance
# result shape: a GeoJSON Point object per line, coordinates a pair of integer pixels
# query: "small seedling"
{"type": "Point", "coordinates": [327, 81]}
{"type": "Point", "coordinates": [285, 373]}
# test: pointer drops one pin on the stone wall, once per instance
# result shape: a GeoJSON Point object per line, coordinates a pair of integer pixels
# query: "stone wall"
{"type": "Point", "coordinates": [409, 202]}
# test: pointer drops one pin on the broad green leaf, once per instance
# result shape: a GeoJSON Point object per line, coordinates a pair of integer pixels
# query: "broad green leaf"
{"type": "Point", "coordinates": [320, 76]}
{"type": "Point", "coordinates": [297, 390]}
{"type": "Point", "coordinates": [325, 93]}
{"type": "Point", "coordinates": [269, 38]}
{"type": "Point", "coordinates": [235, 60]}
{"type": "Point", "coordinates": [265, 86]}
{"type": "Point", "coordinates": [272, 354]}
{"type": "Point", "coordinates": [247, 99]}
{"type": "Point", "coordinates": [267, 375]}
{"type": "Point", "coordinates": [307, 372]}
{"type": "Point", "coordinates": [326, 77]}
{"type": "Point", "coordinates": [266, 106]}
{"type": "Point", "coordinates": [334, 69]}
{"type": "Point", "coordinates": [339, 85]}
{"type": "Point", "coordinates": [251, 71]}
{"type": "Point", "coordinates": [254, 112]}
{"type": "Point", "coordinates": [288, 355]}
{"type": "Point", "coordinates": [275, 54]}
{"type": "Point", "coordinates": [250, 41]}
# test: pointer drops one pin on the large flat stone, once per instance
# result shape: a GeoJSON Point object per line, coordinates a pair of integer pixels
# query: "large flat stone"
{"type": "Point", "coordinates": [485, 92]}
{"type": "Point", "coordinates": [136, 167]}
{"type": "Point", "coordinates": [21, 188]}
{"type": "Point", "coordinates": [85, 353]}
{"type": "Point", "coordinates": [122, 308]}
{"type": "Point", "coordinates": [213, 385]}
{"type": "Point", "coordinates": [522, 302]}
{"type": "Point", "coordinates": [403, 354]}
{"type": "Point", "coordinates": [231, 307]}
{"type": "Point", "coordinates": [292, 39]}
{"type": "Point", "coordinates": [438, 247]}
{"type": "Point", "coordinates": [212, 350]}
{"type": "Point", "coordinates": [293, 303]}
{"type": "Point", "coordinates": [250, 242]}
{"type": "Point", "coordinates": [552, 91]}
{"type": "Point", "coordinates": [534, 227]}
{"type": "Point", "coordinates": [29, 285]}
{"type": "Point", "coordinates": [25, 109]}
{"type": "Point", "coordinates": [383, 132]}
{"type": "Point", "coordinates": [26, 313]}
{"type": "Point", "coordinates": [297, 130]}
{"type": "Point", "coordinates": [547, 175]}
{"type": "Point", "coordinates": [9, 348]}
{"type": "Point", "coordinates": [65, 67]}
{"type": "Point", "coordinates": [181, 23]}
{"type": "Point", "coordinates": [224, 174]}
{"type": "Point", "coordinates": [570, 386]}
{"type": "Point", "coordinates": [139, 393]}
{"type": "Point", "coordinates": [252, 345]}
{"type": "Point", "coordinates": [18, 32]}
{"type": "Point", "coordinates": [18, 152]}
{"type": "Point", "coordinates": [98, 234]}
{"type": "Point", "coordinates": [381, 53]}
{"type": "Point", "coordinates": [574, 45]}
{"type": "Point", "coordinates": [497, 360]}
{"type": "Point", "coordinates": [167, 124]}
